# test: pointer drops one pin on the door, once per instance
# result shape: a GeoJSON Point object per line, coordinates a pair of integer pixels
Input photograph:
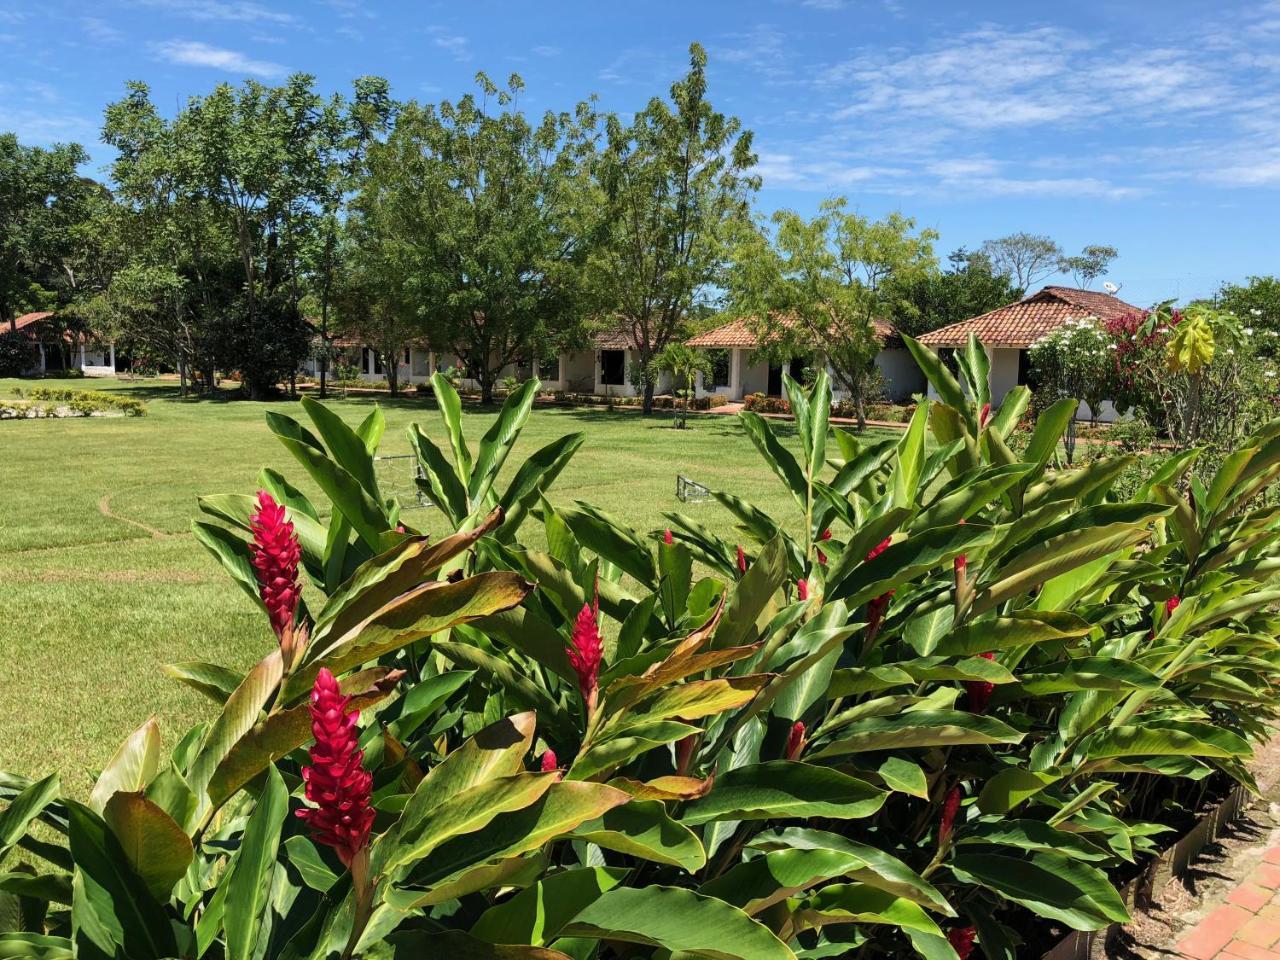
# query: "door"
{"type": "Point", "coordinates": [797, 368]}
{"type": "Point", "coordinates": [775, 380]}
{"type": "Point", "coordinates": [612, 367]}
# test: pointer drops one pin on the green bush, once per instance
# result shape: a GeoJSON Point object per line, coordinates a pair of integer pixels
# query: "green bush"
{"type": "Point", "coordinates": [17, 354]}
{"type": "Point", "coordinates": [959, 699]}
{"type": "Point", "coordinates": [85, 402]}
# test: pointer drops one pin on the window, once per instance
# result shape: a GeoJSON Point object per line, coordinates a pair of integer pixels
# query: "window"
{"type": "Point", "coordinates": [1026, 376]}
{"type": "Point", "coordinates": [366, 360]}
{"type": "Point", "coordinates": [720, 362]}
{"type": "Point", "coordinates": [406, 354]}
{"type": "Point", "coordinates": [613, 366]}
{"type": "Point", "coordinates": [377, 361]}
{"type": "Point", "coordinates": [549, 367]}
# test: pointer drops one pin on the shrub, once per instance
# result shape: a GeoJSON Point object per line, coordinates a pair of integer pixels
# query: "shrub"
{"type": "Point", "coordinates": [85, 402]}
{"type": "Point", "coordinates": [17, 354]}
{"type": "Point", "coordinates": [762, 403]}
{"type": "Point", "coordinates": [957, 700]}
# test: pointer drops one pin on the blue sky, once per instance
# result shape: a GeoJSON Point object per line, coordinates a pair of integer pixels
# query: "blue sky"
{"type": "Point", "coordinates": [1151, 127]}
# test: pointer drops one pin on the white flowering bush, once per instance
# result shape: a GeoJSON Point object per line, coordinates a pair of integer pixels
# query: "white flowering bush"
{"type": "Point", "coordinates": [1076, 360]}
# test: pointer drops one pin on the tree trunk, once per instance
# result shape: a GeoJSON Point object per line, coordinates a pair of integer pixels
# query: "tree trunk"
{"type": "Point", "coordinates": [860, 406]}
{"type": "Point", "coordinates": [648, 397]}
{"type": "Point", "coordinates": [486, 386]}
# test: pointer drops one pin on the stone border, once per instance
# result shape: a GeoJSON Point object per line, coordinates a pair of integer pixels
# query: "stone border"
{"type": "Point", "coordinates": [1149, 885]}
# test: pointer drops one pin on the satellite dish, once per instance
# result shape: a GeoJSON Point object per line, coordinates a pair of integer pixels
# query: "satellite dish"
{"type": "Point", "coordinates": [1110, 287]}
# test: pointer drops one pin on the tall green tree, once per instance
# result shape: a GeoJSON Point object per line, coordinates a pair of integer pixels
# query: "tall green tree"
{"type": "Point", "coordinates": [672, 183]}
{"type": "Point", "coordinates": [815, 288]}
{"type": "Point", "coordinates": [485, 210]}
{"type": "Point", "coordinates": [929, 299]}
{"type": "Point", "coordinates": [1025, 258]}
{"type": "Point", "coordinates": [42, 197]}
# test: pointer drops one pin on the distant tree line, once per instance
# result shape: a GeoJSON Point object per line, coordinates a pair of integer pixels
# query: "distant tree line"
{"type": "Point", "coordinates": [256, 225]}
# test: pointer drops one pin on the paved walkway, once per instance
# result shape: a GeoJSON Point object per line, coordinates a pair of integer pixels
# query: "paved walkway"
{"type": "Point", "coordinates": [1247, 925]}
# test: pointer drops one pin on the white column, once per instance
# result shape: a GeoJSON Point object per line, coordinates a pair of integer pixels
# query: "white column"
{"type": "Point", "coordinates": [111, 354]}
{"type": "Point", "coordinates": [735, 374]}
{"type": "Point", "coordinates": [82, 362]}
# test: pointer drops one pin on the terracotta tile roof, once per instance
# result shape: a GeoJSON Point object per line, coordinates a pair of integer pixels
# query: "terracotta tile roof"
{"type": "Point", "coordinates": [30, 319]}
{"type": "Point", "coordinates": [738, 333]}
{"type": "Point", "coordinates": [620, 337]}
{"type": "Point", "coordinates": [1023, 323]}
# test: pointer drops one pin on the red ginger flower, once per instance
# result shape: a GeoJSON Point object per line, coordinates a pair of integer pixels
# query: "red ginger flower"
{"type": "Point", "coordinates": [336, 782]}
{"type": "Point", "coordinates": [875, 612]}
{"type": "Point", "coordinates": [950, 807]}
{"type": "Point", "coordinates": [825, 535]}
{"type": "Point", "coordinates": [276, 554]}
{"type": "Point", "coordinates": [878, 549]}
{"type": "Point", "coordinates": [980, 691]}
{"type": "Point", "coordinates": [984, 415]}
{"type": "Point", "coordinates": [961, 940]}
{"type": "Point", "coordinates": [1171, 605]}
{"type": "Point", "coordinates": [585, 652]}
{"type": "Point", "coordinates": [802, 589]}
{"type": "Point", "coordinates": [795, 740]}
{"type": "Point", "coordinates": [548, 762]}
{"type": "Point", "coordinates": [742, 561]}
{"type": "Point", "coordinates": [667, 537]}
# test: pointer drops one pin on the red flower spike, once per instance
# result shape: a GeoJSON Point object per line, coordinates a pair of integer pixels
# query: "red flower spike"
{"type": "Point", "coordinates": [276, 554]}
{"type": "Point", "coordinates": [825, 535]}
{"type": "Point", "coordinates": [795, 740]}
{"type": "Point", "coordinates": [961, 940]}
{"type": "Point", "coordinates": [1171, 605]}
{"type": "Point", "coordinates": [742, 562]}
{"type": "Point", "coordinates": [950, 807]}
{"type": "Point", "coordinates": [585, 652]}
{"type": "Point", "coordinates": [802, 590]}
{"type": "Point", "coordinates": [875, 612]}
{"type": "Point", "coordinates": [667, 537]}
{"type": "Point", "coordinates": [548, 762]}
{"type": "Point", "coordinates": [335, 781]}
{"type": "Point", "coordinates": [684, 753]}
{"type": "Point", "coordinates": [984, 416]}
{"type": "Point", "coordinates": [878, 549]}
{"type": "Point", "coordinates": [979, 691]}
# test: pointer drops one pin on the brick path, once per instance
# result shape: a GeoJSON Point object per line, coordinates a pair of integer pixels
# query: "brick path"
{"type": "Point", "coordinates": [1247, 926]}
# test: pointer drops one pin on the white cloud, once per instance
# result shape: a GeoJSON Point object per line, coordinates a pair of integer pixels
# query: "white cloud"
{"type": "Point", "coordinates": [99, 31]}
{"type": "Point", "coordinates": [236, 11]}
{"type": "Point", "coordinates": [544, 50]}
{"type": "Point", "coordinates": [193, 53]}
{"type": "Point", "coordinates": [458, 46]}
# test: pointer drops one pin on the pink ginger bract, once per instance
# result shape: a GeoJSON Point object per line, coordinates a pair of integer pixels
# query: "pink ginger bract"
{"type": "Point", "coordinates": [795, 740]}
{"type": "Point", "coordinates": [335, 781]}
{"type": "Point", "coordinates": [276, 555]}
{"type": "Point", "coordinates": [950, 808]}
{"type": "Point", "coordinates": [961, 940]}
{"type": "Point", "coordinates": [802, 590]}
{"type": "Point", "coordinates": [979, 691]}
{"type": "Point", "coordinates": [585, 652]}
{"type": "Point", "coordinates": [548, 762]}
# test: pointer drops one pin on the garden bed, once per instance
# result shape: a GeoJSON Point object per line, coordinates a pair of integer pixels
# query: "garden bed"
{"type": "Point", "coordinates": [41, 403]}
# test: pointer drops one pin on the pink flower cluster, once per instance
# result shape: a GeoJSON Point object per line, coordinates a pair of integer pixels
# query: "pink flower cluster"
{"type": "Point", "coordinates": [335, 781]}
{"type": "Point", "coordinates": [276, 555]}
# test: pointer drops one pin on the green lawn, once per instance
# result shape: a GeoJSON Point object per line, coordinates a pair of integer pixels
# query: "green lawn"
{"type": "Point", "coordinates": [103, 582]}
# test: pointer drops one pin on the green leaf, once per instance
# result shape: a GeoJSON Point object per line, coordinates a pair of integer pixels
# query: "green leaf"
{"type": "Point", "coordinates": [904, 776]}
{"type": "Point", "coordinates": [918, 728]}
{"type": "Point", "coordinates": [346, 447]}
{"type": "Point", "coordinates": [111, 906]}
{"type": "Point", "coordinates": [936, 372]}
{"type": "Point", "coordinates": [451, 413]}
{"type": "Point", "coordinates": [1171, 739]}
{"type": "Point", "coordinates": [233, 553]}
{"type": "Point", "coordinates": [1015, 630]}
{"type": "Point", "coordinates": [862, 903]}
{"type": "Point", "coordinates": [538, 914]}
{"type": "Point", "coordinates": [215, 682]}
{"type": "Point", "coordinates": [612, 540]}
{"type": "Point", "coordinates": [249, 886]}
{"type": "Point", "coordinates": [1033, 835]}
{"type": "Point", "coordinates": [431, 608]}
{"type": "Point", "coordinates": [763, 881]}
{"type": "Point", "coordinates": [1049, 885]}
{"type": "Point", "coordinates": [24, 808]}
{"type": "Point", "coordinates": [496, 443]}
{"type": "Point", "coordinates": [785, 788]}
{"type": "Point", "coordinates": [239, 714]}
{"type": "Point", "coordinates": [1048, 431]}
{"type": "Point", "coordinates": [627, 744]}
{"type": "Point", "coordinates": [678, 920]}
{"type": "Point", "coordinates": [131, 767]}
{"type": "Point", "coordinates": [447, 491]}
{"type": "Point", "coordinates": [416, 944]}
{"type": "Point", "coordinates": [643, 829]}
{"type": "Point", "coordinates": [777, 456]}
{"type": "Point", "coordinates": [1011, 786]}
{"type": "Point", "coordinates": [157, 848]}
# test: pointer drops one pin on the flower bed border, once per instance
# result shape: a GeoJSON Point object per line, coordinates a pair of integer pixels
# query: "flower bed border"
{"type": "Point", "coordinates": [1172, 863]}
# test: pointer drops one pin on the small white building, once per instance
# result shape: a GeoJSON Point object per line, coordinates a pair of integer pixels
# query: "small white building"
{"type": "Point", "coordinates": [91, 357]}
{"type": "Point", "coordinates": [1008, 332]}
{"type": "Point", "coordinates": [737, 372]}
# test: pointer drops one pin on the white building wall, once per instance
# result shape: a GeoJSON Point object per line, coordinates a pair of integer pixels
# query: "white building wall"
{"type": "Point", "coordinates": [901, 376]}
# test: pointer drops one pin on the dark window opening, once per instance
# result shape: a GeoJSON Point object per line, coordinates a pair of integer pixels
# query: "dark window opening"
{"type": "Point", "coordinates": [720, 372]}
{"type": "Point", "coordinates": [613, 366]}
